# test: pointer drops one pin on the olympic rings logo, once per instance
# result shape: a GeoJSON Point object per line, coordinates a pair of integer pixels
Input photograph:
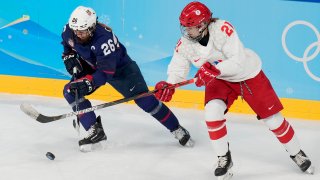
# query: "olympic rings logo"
{"type": "Point", "coordinates": [305, 57]}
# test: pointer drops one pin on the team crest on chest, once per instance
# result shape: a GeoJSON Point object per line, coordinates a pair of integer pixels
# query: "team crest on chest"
{"type": "Point", "coordinates": [71, 43]}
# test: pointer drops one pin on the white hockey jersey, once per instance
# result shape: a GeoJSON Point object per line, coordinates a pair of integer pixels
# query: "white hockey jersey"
{"type": "Point", "coordinates": [224, 49]}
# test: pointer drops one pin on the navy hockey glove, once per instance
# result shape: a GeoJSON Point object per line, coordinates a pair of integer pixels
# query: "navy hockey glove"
{"type": "Point", "coordinates": [83, 86]}
{"type": "Point", "coordinates": [206, 73]}
{"type": "Point", "coordinates": [71, 61]}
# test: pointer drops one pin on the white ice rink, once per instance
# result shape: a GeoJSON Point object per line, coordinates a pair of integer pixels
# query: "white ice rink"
{"type": "Point", "coordinates": [139, 148]}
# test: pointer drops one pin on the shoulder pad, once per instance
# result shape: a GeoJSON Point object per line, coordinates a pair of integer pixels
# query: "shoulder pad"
{"type": "Point", "coordinates": [184, 47]}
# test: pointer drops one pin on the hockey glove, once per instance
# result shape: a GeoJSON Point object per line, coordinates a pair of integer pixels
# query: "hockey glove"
{"type": "Point", "coordinates": [164, 94]}
{"type": "Point", "coordinates": [206, 73]}
{"type": "Point", "coordinates": [71, 61]}
{"type": "Point", "coordinates": [82, 86]}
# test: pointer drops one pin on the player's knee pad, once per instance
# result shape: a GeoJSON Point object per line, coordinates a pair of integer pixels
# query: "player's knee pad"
{"type": "Point", "coordinates": [71, 98]}
{"type": "Point", "coordinates": [148, 104]}
{"type": "Point", "coordinates": [214, 110]}
{"type": "Point", "coordinates": [67, 94]}
{"type": "Point", "coordinates": [274, 121]}
{"type": "Point", "coordinates": [152, 106]}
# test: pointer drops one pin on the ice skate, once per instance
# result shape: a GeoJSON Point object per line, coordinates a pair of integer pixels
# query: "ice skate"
{"type": "Point", "coordinates": [223, 170]}
{"type": "Point", "coordinates": [95, 139]}
{"type": "Point", "coordinates": [304, 163]}
{"type": "Point", "coordinates": [183, 136]}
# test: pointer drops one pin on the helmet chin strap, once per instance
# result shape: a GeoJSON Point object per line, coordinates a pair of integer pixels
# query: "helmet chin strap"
{"type": "Point", "coordinates": [202, 33]}
{"type": "Point", "coordinates": [91, 30]}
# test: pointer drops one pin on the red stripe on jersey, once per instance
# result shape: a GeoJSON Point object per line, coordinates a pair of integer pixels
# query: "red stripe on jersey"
{"type": "Point", "coordinates": [109, 72]}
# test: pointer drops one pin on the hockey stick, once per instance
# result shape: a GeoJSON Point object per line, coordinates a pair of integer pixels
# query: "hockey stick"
{"type": "Point", "coordinates": [76, 122]}
{"type": "Point", "coordinates": [33, 113]}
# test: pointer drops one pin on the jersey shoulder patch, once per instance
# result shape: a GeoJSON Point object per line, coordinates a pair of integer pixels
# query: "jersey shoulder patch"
{"type": "Point", "coordinates": [67, 36]}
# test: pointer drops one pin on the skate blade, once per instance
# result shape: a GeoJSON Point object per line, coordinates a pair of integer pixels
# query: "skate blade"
{"type": "Point", "coordinates": [93, 147]}
{"type": "Point", "coordinates": [227, 176]}
{"type": "Point", "coordinates": [190, 143]}
{"type": "Point", "coordinates": [99, 146]}
{"type": "Point", "coordinates": [310, 170]}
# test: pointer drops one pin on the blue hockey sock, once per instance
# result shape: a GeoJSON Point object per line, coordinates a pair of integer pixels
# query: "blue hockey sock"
{"type": "Point", "coordinates": [159, 111]}
{"type": "Point", "coordinates": [87, 119]}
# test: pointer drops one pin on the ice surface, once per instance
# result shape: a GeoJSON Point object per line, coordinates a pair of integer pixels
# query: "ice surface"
{"type": "Point", "coordinates": [139, 148]}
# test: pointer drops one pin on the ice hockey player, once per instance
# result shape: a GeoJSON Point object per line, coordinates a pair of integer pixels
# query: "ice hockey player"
{"type": "Point", "coordinates": [227, 70]}
{"type": "Point", "coordinates": [94, 50]}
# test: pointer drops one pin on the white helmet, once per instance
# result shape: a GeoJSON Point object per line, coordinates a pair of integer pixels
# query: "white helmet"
{"type": "Point", "coordinates": [83, 18]}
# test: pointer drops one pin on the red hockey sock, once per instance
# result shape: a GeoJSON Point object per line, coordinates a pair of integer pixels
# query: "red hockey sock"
{"type": "Point", "coordinates": [285, 132]}
{"type": "Point", "coordinates": [217, 129]}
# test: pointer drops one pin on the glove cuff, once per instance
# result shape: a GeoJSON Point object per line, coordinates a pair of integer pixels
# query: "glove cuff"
{"type": "Point", "coordinates": [88, 79]}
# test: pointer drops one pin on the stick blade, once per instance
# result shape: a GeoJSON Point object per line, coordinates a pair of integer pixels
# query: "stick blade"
{"type": "Point", "coordinates": [33, 113]}
{"type": "Point", "coordinates": [29, 110]}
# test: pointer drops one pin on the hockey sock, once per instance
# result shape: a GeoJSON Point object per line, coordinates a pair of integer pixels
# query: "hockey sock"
{"type": "Point", "coordinates": [216, 123]}
{"type": "Point", "coordinates": [218, 134]}
{"type": "Point", "coordinates": [86, 119]}
{"type": "Point", "coordinates": [286, 136]}
{"type": "Point", "coordinates": [159, 111]}
{"type": "Point", "coordinates": [282, 129]}
{"type": "Point", "coordinates": [284, 133]}
{"type": "Point", "coordinates": [217, 129]}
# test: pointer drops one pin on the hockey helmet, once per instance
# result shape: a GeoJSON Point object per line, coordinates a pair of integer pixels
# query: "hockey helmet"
{"type": "Point", "coordinates": [194, 20]}
{"type": "Point", "coordinates": [83, 18]}
{"type": "Point", "coordinates": [194, 14]}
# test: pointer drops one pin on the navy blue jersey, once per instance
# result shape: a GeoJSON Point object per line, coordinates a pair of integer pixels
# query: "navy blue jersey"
{"type": "Point", "coordinates": [104, 53]}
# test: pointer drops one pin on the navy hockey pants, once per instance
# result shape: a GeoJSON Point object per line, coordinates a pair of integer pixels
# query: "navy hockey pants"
{"type": "Point", "coordinates": [128, 81]}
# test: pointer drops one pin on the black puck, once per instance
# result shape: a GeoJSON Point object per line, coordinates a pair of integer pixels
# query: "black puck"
{"type": "Point", "coordinates": [50, 156]}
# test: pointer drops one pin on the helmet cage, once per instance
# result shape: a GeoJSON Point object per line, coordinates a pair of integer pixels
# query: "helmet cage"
{"type": "Point", "coordinates": [186, 31]}
{"type": "Point", "coordinates": [89, 30]}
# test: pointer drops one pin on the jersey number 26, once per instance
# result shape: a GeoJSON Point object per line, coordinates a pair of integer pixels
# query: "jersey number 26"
{"type": "Point", "coordinates": [110, 46]}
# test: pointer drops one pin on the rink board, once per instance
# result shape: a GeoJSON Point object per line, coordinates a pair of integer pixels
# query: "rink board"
{"type": "Point", "coordinates": [294, 108]}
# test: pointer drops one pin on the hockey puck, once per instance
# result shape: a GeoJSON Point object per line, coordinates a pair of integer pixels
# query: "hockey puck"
{"type": "Point", "coordinates": [50, 156]}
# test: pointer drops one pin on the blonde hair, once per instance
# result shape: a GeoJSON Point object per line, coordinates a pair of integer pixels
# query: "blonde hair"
{"type": "Point", "coordinates": [105, 26]}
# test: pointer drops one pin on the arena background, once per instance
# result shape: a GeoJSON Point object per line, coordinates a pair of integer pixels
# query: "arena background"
{"type": "Point", "coordinates": [284, 33]}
